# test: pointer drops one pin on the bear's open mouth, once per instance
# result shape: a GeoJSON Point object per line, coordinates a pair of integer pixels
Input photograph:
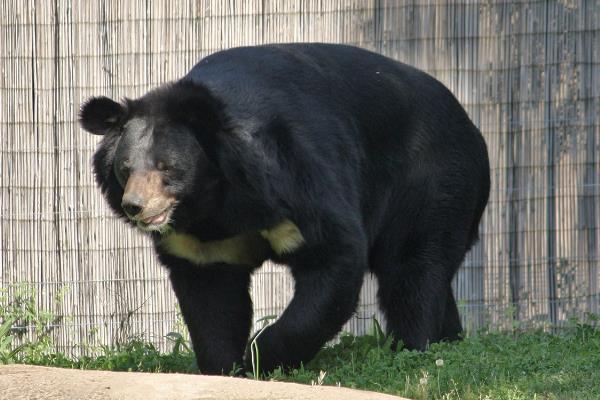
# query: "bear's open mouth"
{"type": "Point", "coordinates": [156, 221]}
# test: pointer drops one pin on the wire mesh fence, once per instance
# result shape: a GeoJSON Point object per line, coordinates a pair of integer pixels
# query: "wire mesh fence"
{"type": "Point", "coordinates": [528, 74]}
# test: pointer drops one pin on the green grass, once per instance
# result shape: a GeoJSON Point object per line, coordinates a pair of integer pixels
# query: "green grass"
{"type": "Point", "coordinates": [511, 366]}
{"type": "Point", "coordinates": [136, 355]}
{"type": "Point", "coordinates": [534, 365]}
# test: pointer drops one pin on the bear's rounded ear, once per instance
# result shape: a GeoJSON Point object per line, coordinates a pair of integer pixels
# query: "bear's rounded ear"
{"type": "Point", "coordinates": [100, 114]}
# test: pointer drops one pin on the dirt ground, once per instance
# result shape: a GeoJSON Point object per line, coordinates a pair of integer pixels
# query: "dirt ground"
{"type": "Point", "coordinates": [32, 382]}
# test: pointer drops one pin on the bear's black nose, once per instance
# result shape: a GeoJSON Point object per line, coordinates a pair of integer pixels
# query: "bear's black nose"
{"type": "Point", "coordinates": [132, 205]}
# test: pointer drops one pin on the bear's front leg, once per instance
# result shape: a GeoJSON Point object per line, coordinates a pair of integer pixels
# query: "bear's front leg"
{"type": "Point", "coordinates": [328, 278]}
{"type": "Point", "coordinates": [217, 309]}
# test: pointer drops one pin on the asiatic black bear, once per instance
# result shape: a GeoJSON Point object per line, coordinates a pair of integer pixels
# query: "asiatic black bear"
{"type": "Point", "coordinates": [330, 159]}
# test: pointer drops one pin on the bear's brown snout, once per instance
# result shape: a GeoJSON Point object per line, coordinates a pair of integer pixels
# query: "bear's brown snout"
{"type": "Point", "coordinates": [145, 198]}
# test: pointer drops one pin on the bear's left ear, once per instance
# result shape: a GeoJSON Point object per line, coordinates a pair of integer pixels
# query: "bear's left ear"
{"type": "Point", "coordinates": [100, 114]}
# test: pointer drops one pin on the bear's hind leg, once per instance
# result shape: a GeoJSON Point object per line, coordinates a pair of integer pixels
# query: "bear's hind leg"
{"type": "Point", "coordinates": [217, 309]}
{"type": "Point", "coordinates": [452, 328]}
{"type": "Point", "coordinates": [416, 298]}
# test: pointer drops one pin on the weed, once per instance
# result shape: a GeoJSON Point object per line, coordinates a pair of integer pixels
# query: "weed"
{"type": "Point", "coordinates": [7, 350]}
{"type": "Point", "coordinates": [254, 350]}
{"type": "Point", "coordinates": [22, 322]}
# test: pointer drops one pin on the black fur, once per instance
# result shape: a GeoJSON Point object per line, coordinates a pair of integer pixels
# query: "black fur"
{"type": "Point", "coordinates": [100, 114]}
{"type": "Point", "coordinates": [376, 163]}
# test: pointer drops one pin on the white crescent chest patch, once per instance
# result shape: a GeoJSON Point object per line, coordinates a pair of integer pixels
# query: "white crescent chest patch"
{"type": "Point", "coordinates": [284, 237]}
{"type": "Point", "coordinates": [246, 249]}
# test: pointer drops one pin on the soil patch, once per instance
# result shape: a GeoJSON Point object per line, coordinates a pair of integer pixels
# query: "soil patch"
{"type": "Point", "coordinates": [33, 382]}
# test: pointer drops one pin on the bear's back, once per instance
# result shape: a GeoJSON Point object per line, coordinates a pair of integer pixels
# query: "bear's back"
{"type": "Point", "coordinates": [387, 107]}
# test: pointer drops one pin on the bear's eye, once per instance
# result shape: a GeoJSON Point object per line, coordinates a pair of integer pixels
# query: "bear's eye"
{"type": "Point", "coordinates": [125, 166]}
{"type": "Point", "coordinates": [161, 166]}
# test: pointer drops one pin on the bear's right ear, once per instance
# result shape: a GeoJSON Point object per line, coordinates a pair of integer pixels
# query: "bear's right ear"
{"type": "Point", "coordinates": [100, 114]}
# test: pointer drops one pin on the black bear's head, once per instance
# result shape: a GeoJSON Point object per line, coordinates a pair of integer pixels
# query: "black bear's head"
{"type": "Point", "coordinates": [155, 164]}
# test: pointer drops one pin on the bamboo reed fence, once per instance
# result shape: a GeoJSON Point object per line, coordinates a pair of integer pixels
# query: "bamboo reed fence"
{"type": "Point", "coordinates": [528, 73]}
